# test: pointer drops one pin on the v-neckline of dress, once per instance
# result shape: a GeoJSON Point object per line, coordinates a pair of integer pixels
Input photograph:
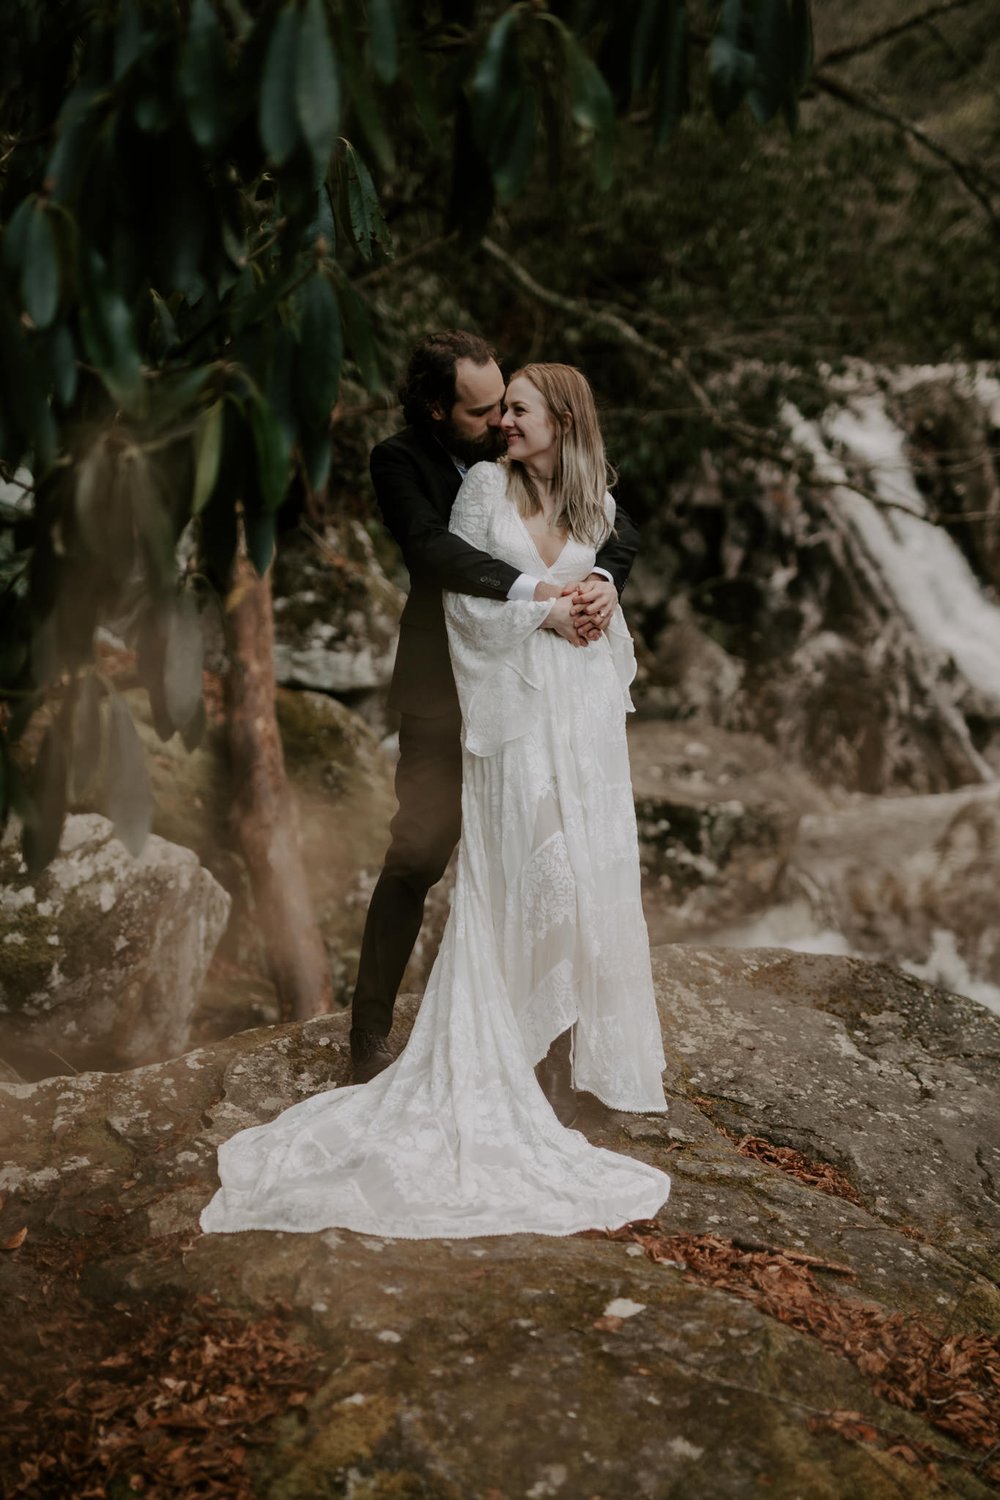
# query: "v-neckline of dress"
{"type": "Point", "coordinates": [534, 545]}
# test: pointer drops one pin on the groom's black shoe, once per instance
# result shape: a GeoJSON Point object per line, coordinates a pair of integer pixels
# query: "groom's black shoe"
{"type": "Point", "coordinates": [555, 1074]}
{"type": "Point", "coordinates": [369, 1055]}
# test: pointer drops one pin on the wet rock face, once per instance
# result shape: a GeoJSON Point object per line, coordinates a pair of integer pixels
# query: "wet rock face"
{"type": "Point", "coordinates": [571, 1367]}
{"type": "Point", "coordinates": [909, 879]}
{"type": "Point", "coordinates": [955, 457]}
{"type": "Point", "coordinates": [717, 815]}
{"type": "Point", "coordinates": [763, 605]}
{"type": "Point", "coordinates": [103, 955]}
{"type": "Point", "coordinates": [336, 614]}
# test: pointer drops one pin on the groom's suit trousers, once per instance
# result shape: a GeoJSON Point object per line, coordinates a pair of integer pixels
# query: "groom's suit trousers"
{"type": "Point", "coordinates": [424, 833]}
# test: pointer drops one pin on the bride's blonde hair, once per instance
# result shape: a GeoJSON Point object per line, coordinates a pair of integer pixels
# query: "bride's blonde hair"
{"type": "Point", "coordinates": [581, 473]}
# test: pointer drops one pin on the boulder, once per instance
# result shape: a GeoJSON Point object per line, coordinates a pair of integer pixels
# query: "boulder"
{"type": "Point", "coordinates": [526, 1366]}
{"type": "Point", "coordinates": [908, 879]}
{"type": "Point", "coordinates": [717, 815]}
{"type": "Point", "coordinates": [103, 955]}
{"type": "Point", "coordinates": [342, 782]}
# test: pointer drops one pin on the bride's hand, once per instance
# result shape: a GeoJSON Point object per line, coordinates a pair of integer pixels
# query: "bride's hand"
{"type": "Point", "coordinates": [560, 619]}
{"type": "Point", "coordinates": [594, 603]}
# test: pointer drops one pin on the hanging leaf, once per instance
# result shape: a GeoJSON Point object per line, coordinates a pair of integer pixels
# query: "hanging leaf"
{"type": "Point", "coordinates": [323, 224]}
{"type": "Point", "coordinates": [203, 77]}
{"type": "Point", "coordinates": [260, 531]}
{"type": "Point", "coordinates": [97, 524]}
{"type": "Point", "coordinates": [277, 118]}
{"type": "Point", "coordinates": [40, 835]}
{"type": "Point", "coordinates": [174, 395]}
{"type": "Point", "coordinates": [129, 39]}
{"type": "Point", "coordinates": [512, 166]}
{"type": "Point", "coordinates": [368, 227]}
{"type": "Point", "coordinates": [59, 355]}
{"type": "Point", "coordinates": [802, 43]}
{"type": "Point", "coordinates": [496, 70]}
{"type": "Point", "coordinates": [591, 105]}
{"type": "Point", "coordinates": [151, 645]}
{"type": "Point", "coordinates": [646, 41]}
{"type": "Point", "coordinates": [129, 797]}
{"type": "Point", "coordinates": [183, 659]}
{"type": "Point", "coordinates": [801, 49]}
{"type": "Point", "coordinates": [85, 749]}
{"type": "Point", "coordinates": [317, 87]}
{"type": "Point", "coordinates": [108, 336]}
{"type": "Point", "coordinates": [208, 451]}
{"type": "Point", "coordinates": [731, 61]}
{"type": "Point", "coordinates": [730, 73]}
{"type": "Point", "coordinates": [13, 246]}
{"type": "Point", "coordinates": [166, 328]}
{"type": "Point", "coordinates": [773, 82]}
{"type": "Point", "coordinates": [40, 270]}
{"type": "Point", "coordinates": [672, 99]}
{"type": "Point", "coordinates": [497, 94]}
{"type": "Point", "coordinates": [193, 733]}
{"type": "Point", "coordinates": [317, 458]}
{"type": "Point", "coordinates": [320, 353]}
{"type": "Point", "coordinates": [356, 73]}
{"type": "Point", "coordinates": [273, 452]}
{"type": "Point", "coordinates": [360, 335]}
{"type": "Point", "coordinates": [146, 504]}
{"type": "Point", "coordinates": [384, 39]}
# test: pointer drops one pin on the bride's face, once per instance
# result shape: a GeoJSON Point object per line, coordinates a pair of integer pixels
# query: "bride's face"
{"type": "Point", "coordinates": [528, 425]}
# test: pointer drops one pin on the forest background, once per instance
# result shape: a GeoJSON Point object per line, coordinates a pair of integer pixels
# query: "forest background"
{"type": "Point", "coordinates": [702, 266]}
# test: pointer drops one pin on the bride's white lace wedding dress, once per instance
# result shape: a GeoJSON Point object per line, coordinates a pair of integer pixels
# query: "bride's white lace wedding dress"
{"type": "Point", "coordinates": [546, 931]}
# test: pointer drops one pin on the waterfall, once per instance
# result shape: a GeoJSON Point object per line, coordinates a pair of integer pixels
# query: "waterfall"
{"type": "Point", "coordinates": [890, 854]}
{"type": "Point", "coordinates": [922, 568]}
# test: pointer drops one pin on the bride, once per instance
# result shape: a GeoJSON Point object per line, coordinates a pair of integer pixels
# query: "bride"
{"type": "Point", "coordinates": [546, 933]}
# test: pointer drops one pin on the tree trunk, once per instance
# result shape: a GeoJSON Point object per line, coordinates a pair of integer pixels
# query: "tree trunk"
{"type": "Point", "coordinates": [265, 821]}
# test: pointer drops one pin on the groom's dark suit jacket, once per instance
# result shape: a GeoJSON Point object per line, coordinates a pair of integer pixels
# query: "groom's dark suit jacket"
{"type": "Point", "coordinates": [415, 484]}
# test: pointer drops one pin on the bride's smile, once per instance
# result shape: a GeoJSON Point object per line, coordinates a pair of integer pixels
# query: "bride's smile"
{"type": "Point", "coordinates": [529, 429]}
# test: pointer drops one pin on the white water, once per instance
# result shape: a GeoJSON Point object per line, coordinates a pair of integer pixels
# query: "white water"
{"type": "Point", "coordinates": [922, 568]}
{"type": "Point", "coordinates": [936, 592]}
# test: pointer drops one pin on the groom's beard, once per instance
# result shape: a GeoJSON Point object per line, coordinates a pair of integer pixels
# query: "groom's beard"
{"type": "Point", "coordinates": [469, 451]}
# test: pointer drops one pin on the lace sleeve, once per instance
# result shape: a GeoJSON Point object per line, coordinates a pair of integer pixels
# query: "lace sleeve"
{"type": "Point", "coordinates": [489, 639]}
{"type": "Point", "coordinates": [485, 627]}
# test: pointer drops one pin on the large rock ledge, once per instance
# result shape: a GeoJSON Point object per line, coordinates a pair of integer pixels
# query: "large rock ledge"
{"type": "Point", "coordinates": [486, 1368]}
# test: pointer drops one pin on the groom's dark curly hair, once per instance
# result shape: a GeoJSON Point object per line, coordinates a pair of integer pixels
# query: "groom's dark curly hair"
{"type": "Point", "coordinates": [430, 376]}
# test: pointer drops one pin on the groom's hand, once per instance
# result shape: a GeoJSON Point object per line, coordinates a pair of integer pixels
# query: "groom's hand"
{"type": "Point", "coordinates": [593, 603]}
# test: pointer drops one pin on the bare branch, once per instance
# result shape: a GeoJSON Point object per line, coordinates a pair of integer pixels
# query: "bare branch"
{"type": "Point", "coordinates": [759, 442]}
{"type": "Point", "coordinates": [972, 177]}
{"type": "Point", "coordinates": [888, 33]}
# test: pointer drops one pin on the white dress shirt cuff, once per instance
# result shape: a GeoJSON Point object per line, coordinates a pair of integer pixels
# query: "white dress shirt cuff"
{"type": "Point", "coordinates": [604, 573]}
{"type": "Point", "coordinates": [523, 587]}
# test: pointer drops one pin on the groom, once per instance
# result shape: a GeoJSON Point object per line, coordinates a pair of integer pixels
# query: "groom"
{"type": "Point", "coordinates": [452, 399]}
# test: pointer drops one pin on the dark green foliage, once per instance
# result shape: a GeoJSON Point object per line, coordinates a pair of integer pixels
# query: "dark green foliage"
{"type": "Point", "coordinates": [187, 208]}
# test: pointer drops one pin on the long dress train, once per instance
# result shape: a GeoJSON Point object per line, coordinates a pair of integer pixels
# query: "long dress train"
{"type": "Point", "coordinates": [456, 1138]}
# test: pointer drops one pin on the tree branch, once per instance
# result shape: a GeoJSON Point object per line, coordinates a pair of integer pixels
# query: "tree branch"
{"type": "Point", "coordinates": [972, 177]}
{"type": "Point", "coordinates": [757, 441]}
{"type": "Point", "coordinates": [887, 33]}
